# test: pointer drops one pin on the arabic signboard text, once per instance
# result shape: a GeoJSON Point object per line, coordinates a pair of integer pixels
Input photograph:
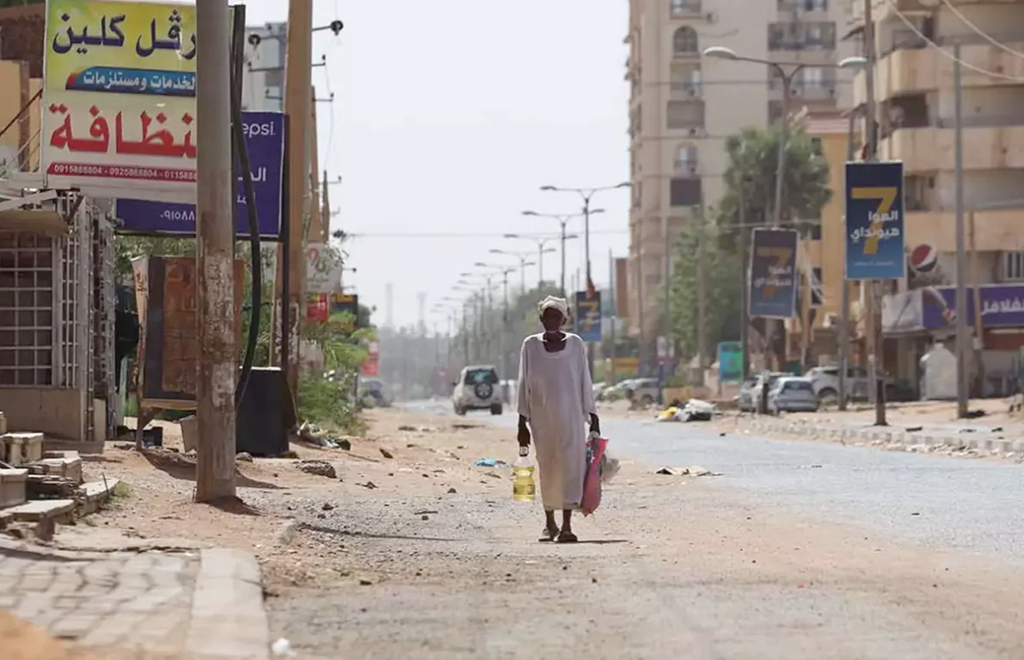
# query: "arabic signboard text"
{"type": "Point", "coordinates": [323, 268]}
{"type": "Point", "coordinates": [773, 273]}
{"type": "Point", "coordinates": [874, 221]}
{"type": "Point", "coordinates": [588, 316]}
{"type": "Point", "coordinates": [934, 308]}
{"type": "Point", "coordinates": [264, 138]}
{"type": "Point", "coordinates": [119, 110]}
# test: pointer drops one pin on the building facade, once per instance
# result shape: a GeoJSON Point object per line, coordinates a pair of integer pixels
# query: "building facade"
{"type": "Point", "coordinates": [916, 96]}
{"type": "Point", "coordinates": [684, 106]}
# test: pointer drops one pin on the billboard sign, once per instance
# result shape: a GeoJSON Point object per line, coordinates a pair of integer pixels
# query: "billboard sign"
{"type": "Point", "coordinates": [875, 247]}
{"type": "Point", "coordinates": [730, 362]}
{"type": "Point", "coordinates": [588, 316]}
{"type": "Point", "coordinates": [773, 273]}
{"type": "Point", "coordinates": [265, 143]}
{"type": "Point", "coordinates": [119, 109]}
{"type": "Point", "coordinates": [344, 310]}
{"type": "Point", "coordinates": [323, 268]}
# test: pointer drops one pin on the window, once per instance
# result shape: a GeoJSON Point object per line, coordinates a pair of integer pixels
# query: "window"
{"type": "Point", "coordinates": [684, 42]}
{"type": "Point", "coordinates": [802, 36]}
{"type": "Point", "coordinates": [1012, 266]}
{"type": "Point", "coordinates": [684, 8]}
{"type": "Point", "coordinates": [27, 309]}
{"type": "Point", "coordinates": [481, 376]}
{"type": "Point", "coordinates": [685, 115]}
{"type": "Point", "coordinates": [684, 192]}
{"type": "Point", "coordinates": [686, 159]}
{"type": "Point", "coordinates": [813, 77]}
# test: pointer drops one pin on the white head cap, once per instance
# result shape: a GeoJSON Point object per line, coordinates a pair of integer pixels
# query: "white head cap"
{"type": "Point", "coordinates": [552, 302]}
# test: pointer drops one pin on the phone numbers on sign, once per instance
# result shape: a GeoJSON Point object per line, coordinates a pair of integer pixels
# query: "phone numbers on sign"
{"type": "Point", "coordinates": [121, 172]}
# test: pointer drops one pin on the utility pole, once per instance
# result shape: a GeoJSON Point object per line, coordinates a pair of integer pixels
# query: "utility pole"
{"type": "Point", "coordinates": [702, 293]}
{"type": "Point", "coordinates": [744, 283]}
{"type": "Point", "coordinates": [844, 312]}
{"type": "Point", "coordinates": [666, 327]}
{"type": "Point", "coordinates": [874, 307]}
{"type": "Point", "coordinates": [298, 106]}
{"type": "Point", "coordinates": [962, 386]}
{"type": "Point", "coordinates": [613, 301]}
{"type": "Point", "coordinates": [215, 234]}
{"type": "Point", "coordinates": [641, 348]}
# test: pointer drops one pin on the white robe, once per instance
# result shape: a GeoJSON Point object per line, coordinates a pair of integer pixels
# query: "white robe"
{"type": "Point", "coordinates": [556, 396]}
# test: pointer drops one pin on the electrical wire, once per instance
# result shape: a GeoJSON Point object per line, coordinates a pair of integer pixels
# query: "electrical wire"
{"type": "Point", "coordinates": [386, 235]}
{"type": "Point", "coordinates": [967, 65]}
{"type": "Point", "coordinates": [984, 35]}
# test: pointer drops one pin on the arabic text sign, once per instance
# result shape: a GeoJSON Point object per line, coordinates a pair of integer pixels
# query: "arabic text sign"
{"type": "Point", "coordinates": [1002, 305]}
{"type": "Point", "coordinates": [730, 361]}
{"type": "Point", "coordinates": [773, 273]}
{"type": "Point", "coordinates": [119, 96]}
{"type": "Point", "coordinates": [323, 268]}
{"type": "Point", "coordinates": [874, 221]}
{"type": "Point", "coordinates": [264, 133]}
{"type": "Point", "coordinates": [588, 316]}
{"type": "Point", "coordinates": [344, 310]}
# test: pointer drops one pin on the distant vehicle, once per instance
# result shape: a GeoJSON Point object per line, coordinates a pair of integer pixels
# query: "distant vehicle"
{"type": "Point", "coordinates": [376, 390]}
{"type": "Point", "coordinates": [745, 400]}
{"type": "Point", "coordinates": [792, 394]}
{"type": "Point", "coordinates": [826, 383]}
{"type": "Point", "coordinates": [478, 388]}
{"type": "Point", "coordinates": [644, 391]}
{"type": "Point", "coordinates": [762, 383]}
{"type": "Point", "coordinates": [598, 390]}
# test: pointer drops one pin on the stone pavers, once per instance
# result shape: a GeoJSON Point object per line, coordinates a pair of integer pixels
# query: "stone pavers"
{"type": "Point", "coordinates": [195, 604]}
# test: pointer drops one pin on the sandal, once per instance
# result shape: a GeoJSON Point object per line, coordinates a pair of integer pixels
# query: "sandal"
{"type": "Point", "coordinates": [567, 537]}
{"type": "Point", "coordinates": [549, 535]}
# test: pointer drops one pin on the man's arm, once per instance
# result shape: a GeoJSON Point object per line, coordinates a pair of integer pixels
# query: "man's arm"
{"type": "Point", "coordinates": [524, 399]}
{"type": "Point", "coordinates": [587, 393]}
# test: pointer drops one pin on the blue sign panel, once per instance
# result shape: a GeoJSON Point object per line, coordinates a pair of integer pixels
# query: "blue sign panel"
{"type": "Point", "coordinates": [264, 136]}
{"type": "Point", "coordinates": [588, 316]}
{"type": "Point", "coordinates": [874, 221]}
{"type": "Point", "coordinates": [1002, 305]}
{"type": "Point", "coordinates": [730, 362]}
{"type": "Point", "coordinates": [773, 273]}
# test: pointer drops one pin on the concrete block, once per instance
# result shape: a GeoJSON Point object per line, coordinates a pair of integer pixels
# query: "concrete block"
{"type": "Point", "coordinates": [12, 487]}
{"type": "Point", "coordinates": [22, 448]}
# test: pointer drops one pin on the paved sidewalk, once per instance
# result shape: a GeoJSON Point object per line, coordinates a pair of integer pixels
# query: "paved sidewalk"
{"type": "Point", "coordinates": [201, 604]}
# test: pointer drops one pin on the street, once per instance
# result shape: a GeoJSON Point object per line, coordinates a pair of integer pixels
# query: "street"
{"type": "Point", "coordinates": [798, 550]}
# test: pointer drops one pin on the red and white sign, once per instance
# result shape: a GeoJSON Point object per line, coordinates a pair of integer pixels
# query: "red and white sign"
{"type": "Point", "coordinates": [371, 367]}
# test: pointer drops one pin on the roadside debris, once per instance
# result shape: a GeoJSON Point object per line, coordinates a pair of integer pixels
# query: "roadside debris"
{"type": "Point", "coordinates": [319, 468]}
{"type": "Point", "coordinates": [313, 435]}
{"type": "Point", "coordinates": [385, 453]}
{"type": "Point", "coordinates": [369, 485]}
{"type": "Point", "coordinates": [244, 457]}
{"type": "Point", "coordinates": [282, 648]}
{"type": "Point", "coordinates": [694, 471]}
{"type": "Point", "coordinates": [695, 410]}
{"type": "Point", "coordinates": [490, 462]}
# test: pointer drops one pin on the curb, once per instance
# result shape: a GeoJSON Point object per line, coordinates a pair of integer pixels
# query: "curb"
{"type": "Point", "coordinates": [895, 436]}
{"type": "Point", "coordinates": [228, 619]}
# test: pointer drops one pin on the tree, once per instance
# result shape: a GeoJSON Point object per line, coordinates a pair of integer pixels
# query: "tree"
{"type": "Point", "coordinates": [723, 282]}
{"type": "Point", "coordinates": [751, 171]}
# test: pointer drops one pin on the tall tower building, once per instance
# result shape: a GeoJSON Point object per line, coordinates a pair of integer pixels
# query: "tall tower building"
{"type": "Point", "coordinates": [684, 106]}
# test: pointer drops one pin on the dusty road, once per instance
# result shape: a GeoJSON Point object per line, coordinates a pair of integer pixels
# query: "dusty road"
{"type": "Point", "coordinates": [767, 561]}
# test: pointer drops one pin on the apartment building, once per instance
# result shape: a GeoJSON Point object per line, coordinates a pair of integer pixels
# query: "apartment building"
{"type": "Point", "coordinates": [684, 106]}
{"type": "Point", "coordinates": [916, 115]}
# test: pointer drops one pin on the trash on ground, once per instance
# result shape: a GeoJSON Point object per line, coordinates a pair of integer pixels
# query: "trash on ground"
{"type": "Point", "coordinates": [490, 462]}
{"type": "Point", "coordinates": [282, 648]}
{"type": "Point", "coordinates": [695, 410]}
{"type": "Point", "coordinates": [693, 471]}
{"type": "Point", "coordinates": [385, 453]}
{"type": "Point", "coordinates": [914, 429]}
{"type": "Point", "coordinates": [319, 468]}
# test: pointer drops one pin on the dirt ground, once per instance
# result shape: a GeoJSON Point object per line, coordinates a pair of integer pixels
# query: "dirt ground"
{"type": "Point", "coordinates": [413, 551]}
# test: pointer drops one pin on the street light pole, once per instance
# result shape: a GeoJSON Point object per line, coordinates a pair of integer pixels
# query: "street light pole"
{"type": "Point", "coordinates": [215, 233]}
{"type": "Point", "coordinates": [563, 222]}
{"type": "Point", "coordinates": [962, 388]}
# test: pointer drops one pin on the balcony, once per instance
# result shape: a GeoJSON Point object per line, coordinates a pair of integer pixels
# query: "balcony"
{"type": "Point", "coordinates": [824, 90]}
{"type": "Point", "coordinates": [803, 10]}
{"type": "Point", "coordinates": [993, 229]}
{"type": "Point", "coordinates": [930, 148]}
{"type": "Point", "coordinates": [683, 90]}
{"type": "Point", "coordinates": [909, 68]}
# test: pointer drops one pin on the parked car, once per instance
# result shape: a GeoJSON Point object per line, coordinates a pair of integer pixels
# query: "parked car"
{"type": "Point", "coordinates": [792, 394]}
{"type": "Point", "coordinates": [478, 388]}
{"type": "Point", "coordinates": [644, 391]}
{"type": "Point", "coordinates": [764, 382]}
{"type": "Point", "coordinates": [826, 383]}
{"type": "Point", "coordinates": [375, 389]}
{"type": "Point", "coordinates": [745, 399]}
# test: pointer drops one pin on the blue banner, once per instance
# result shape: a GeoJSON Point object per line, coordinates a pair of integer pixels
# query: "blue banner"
{"type": "Point", "coordinates": [874, 221]}
{"type": "Point", "coordinates": [773, 273]}
{"type": "Point", "coordinates": [1002, 305]}
{"type": "Point", "coordinates": [588, 316]}
{"type": "Point", "coordinates": [264, 135]}
{"type": "Point", "coordinates": [730, 362]}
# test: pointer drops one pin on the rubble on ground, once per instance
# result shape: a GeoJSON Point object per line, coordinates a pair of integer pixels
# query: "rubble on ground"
{"type": "Point", "coordinates": [319, 468]}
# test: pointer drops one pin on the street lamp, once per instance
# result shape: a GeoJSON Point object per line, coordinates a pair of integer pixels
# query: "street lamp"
{"type": "Point", "coordinates": [587, 194]}
{"type": "Point", "coordinates": [541, 241]}
{"type": "Point", "coordinates": [563, 221]}
{"type": "Point", "coordinates": [786, 72]}
{"type": "Point", "coordinates": [524, 261]}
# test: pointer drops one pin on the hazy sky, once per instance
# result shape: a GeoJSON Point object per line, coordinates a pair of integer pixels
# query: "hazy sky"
{"type": "Point", "coordinates": [448, 117]}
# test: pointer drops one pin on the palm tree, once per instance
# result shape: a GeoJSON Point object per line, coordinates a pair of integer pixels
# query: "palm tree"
{"type": "Point", "coordinates": [752, 169]}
